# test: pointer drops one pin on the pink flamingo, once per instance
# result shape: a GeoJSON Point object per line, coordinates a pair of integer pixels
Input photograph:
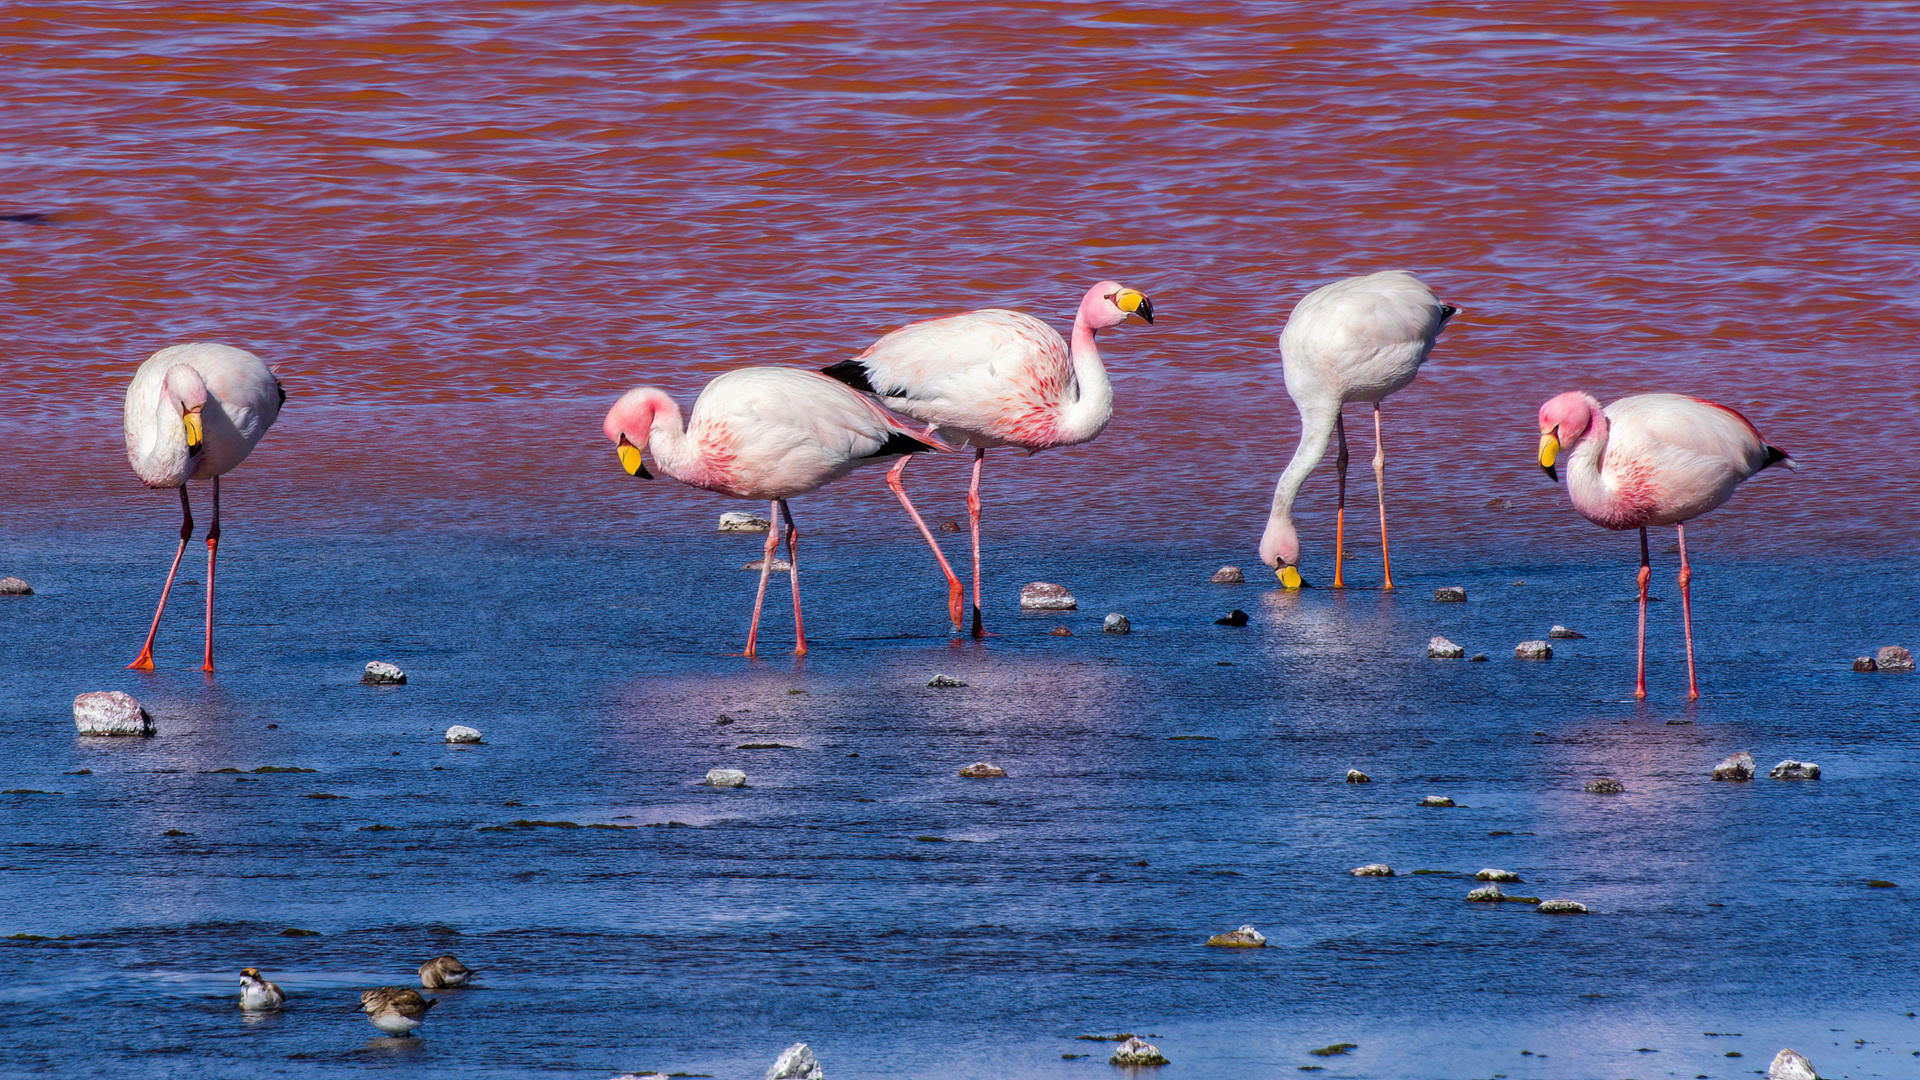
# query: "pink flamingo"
{"type": "Point", "coordinates": [1358, 339]}
{"type": "Point", "coordinates": [761, 433]}
{"type": "Point", "coordinates": [1652, 459]}
{"type": "Point", "coordinates": [194, 412]}
{"type": "Point", "coordinates": [995, 377]}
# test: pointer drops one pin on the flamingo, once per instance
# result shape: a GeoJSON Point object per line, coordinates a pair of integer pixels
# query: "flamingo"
{"type": "Point", "coordinates": [761, 433]}
{"type": "Point", "coordinates": [995, 377]}
{"type": "Point", "coordinates": [194, 412]}
{"type": "Point", "coordinates": [1652, 459]}
{"type": "Point", "coordinates": [1358, 339]}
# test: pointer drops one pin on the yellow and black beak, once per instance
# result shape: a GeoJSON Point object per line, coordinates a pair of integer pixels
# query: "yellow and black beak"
{"type": "Point", "coordinates": [196, 435]}
{"type": "Point", "coordinates": [1134, 303]}
{"type": "Point", "coordinates": [1290, 577]}
{"type": "Point", "coordinates": [630, 460]}
{"type": "Point", "coordinates": [1549, 449]}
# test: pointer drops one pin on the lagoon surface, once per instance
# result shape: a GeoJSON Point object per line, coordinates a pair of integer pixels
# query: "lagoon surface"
{"type": "Point", "coordinates": [459, 236]}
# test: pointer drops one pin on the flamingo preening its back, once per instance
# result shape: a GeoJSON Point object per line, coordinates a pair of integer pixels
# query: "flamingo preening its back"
{"type": "Point", "coordinates": [1358, 339]}
{"type": "Point", "coordinates": [1652, 459]}
{"type": "Point", "coordinates": [995, 378]}
{"type": "Point", "coordinates": [193, 412]}
{"type": "Point", "coordinates": [761, 433]}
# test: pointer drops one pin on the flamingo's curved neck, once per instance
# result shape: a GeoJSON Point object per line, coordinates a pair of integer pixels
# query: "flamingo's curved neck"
{"type": "Point", "coordinates": [1587, 485]}
{"type": "Point", "coordinates": [674, 452]}
{"type": "Point", "coordinates": [1317, 422]}
{"type": "Point", "coordinates": [1088, 403]}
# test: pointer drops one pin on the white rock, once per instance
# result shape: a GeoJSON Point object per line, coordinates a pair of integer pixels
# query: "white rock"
{"type": "Point", "coordinates": [742, 521]}
{"type": "Point", "coordinates": [1355, 776]}
{"type": "Point", "coordinates": [13, 586]}
{"type": "Point", "coordinates": [1245, 937]}
{"type": "Point", "coordinates": [461, 733]}
{"type": "Point", "coordinates": [1562, 907]}
{"type": "Point", "coordinates": [1487, 894]}
{"type": "Point", "coordinates": [1795, 770]}
{"type": "Point", "coordinates": [797, 1063]}
{"type": "Point", "coordinates": [110, 712]}
{"type": "Point", "coordinates": [1450, 594]}
{"type": "Point", "coordinates": [1534, 650]}
{"type": "Point", "coordinates": [1439, 648]}
{"type": "Point", "coordinates": [381, 673]}
{"type": "Point", "coordinates": [1435, 800]}
{"type": "Point", "coordinates": [1735, 767]}
{"type": "Point", "coordinates": [983, 770]}
{"type": "Point", "coordinates": [1137, 1051]}
{"type": "Point", "coordinates": [780, 566]}
{"type": "Point", "coordinates": [1791, 1065]}
{"type": "Point", "coordinates": [1372, 869]}
{"type": "Point", "coordinates": [1228, 575]}
{"type": "Point", "coordinates": [1559, 631]}
{"type": "Point", "coordinates": [725, 778]}
{"type": "Point", "coordinates": [1044, 596]}
{"type": "Point", "coordinates": [944, 682]}
{"type": "Point", "coordinates": [1893, 658]}
{"type": "Point", "coordinates": [1490, 874]}
{"type": "Point", "coordinates": [1117, 623]}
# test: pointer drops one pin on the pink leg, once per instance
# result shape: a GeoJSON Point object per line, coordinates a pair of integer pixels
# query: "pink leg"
{"type": "Point", "coordinates": [213, 544]}
{"type": "Point", "coordinates": [973, 520]}
{"type": "Point", "coordinates": [955, 592]}
{"type": "Point", "coordinates": [766, 567]}
{"type": "Point", "coordinates": [1686, 611]}
{"type": "Point", "coordinates": [793, 573]}
{"type": "Point", "coordinates": [1380, 485]}
{"type": "Point", "coordinates": [1340, 520]}
{"type": "Point", "coordinates": [1646, 575]}
{"type": "Point", "coordinates": [144, 662]}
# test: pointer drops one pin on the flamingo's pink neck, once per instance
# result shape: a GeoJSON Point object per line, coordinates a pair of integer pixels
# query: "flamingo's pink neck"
{"type": "Point", "coordinates": [1087, 404]}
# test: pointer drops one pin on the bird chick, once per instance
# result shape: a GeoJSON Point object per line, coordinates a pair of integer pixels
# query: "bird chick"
{"type": "Point", "coordinates": [444, 973]}
{"type": "Point", "coordinates": [395, 1010]}
{"type": "Point", "coordinates": [257, 994]}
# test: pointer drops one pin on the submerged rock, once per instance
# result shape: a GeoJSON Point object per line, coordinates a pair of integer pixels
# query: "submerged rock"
{"type": "Point", "coordinates": [780, 566]}
{"type": "Point", "coordinates": [1791, 1065]}
{"type": "Point", "coordinates": [1562, 907]}
{"type": "Point", "coordinates": [1736, 767]}
{"type": "Point", "coordinates": [1477, 658]}
{"type": "Point", "coordinates": [1486, 894]}
{"type": "Point", "coordinates": [1605, 785]}
{"type": "Point", "coordinates": [1061, 631]}
{"type": "Point", "coordinates": [1244, 938]}
{"type": "Point", "coordinates": [13, 586]}
{"type": "Point", "coordinates": [1355, 776]}
{"type": "Point", "coordinates": [981, 770]}
{"type": "Point", "coordinates": [1894, 658]}
{"type": "Point", "coordinates": [795, 1063]}
{"type": "Point", "coordinates": [1435, 800]}
{"type": "Point", "coordinates": [948, 525]}
{"type": "Point", "coordinates": [110, 712]}
{"type": "Point", "coordinates": [944, 682]}
{"type": "Point", "coordinates": [1137, 1051]}
{"type": "Point", "coordinates": [743, 521]}
{"type": "Point", "coordinates": [461, 733]}
{"type": "Point", "coordinates": [1372, 869]}
{"type": "Point", "coordinates": [1116, 623]}
{"type": "Point", "coordinates": [1439, 648]}
{"type": "Point", "coordinates": [381, 673]}
{"type": "Point", "coordinates": [725, 778]}
{"type": "Point", "coordinates": [1490, 874]}
{"type": "Point", "coordinates": [1450, 594]}
{"type": "Point", "coordinates": [1228, 575]}
{"type": "Point", "coordinates": [1795, 770]}
{"type": "Point", "coordinates": [1865, 663]}
{"type": "Point", "coordinates": [1236, 617]}
{"type": "Point", "coordinates": [1046, 596]}
{"type": "Point", "coordinates": [1559, 631]}
{"type": "Point", "coordinates": [1534, 650]}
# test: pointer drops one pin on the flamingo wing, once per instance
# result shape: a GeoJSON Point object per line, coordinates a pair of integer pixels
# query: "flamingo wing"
{"type": "Point", "coordinates": [983, 375]}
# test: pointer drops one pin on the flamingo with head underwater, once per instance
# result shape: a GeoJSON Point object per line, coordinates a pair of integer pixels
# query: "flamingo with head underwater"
{"type": "Point", "coordinates": [761, 433]}
{"type": "Point", "coordinates": [991, 378]}
{"type": "Point", "coordinates": [1652, 459]}
{"type": "Point", "coordinates": [194, 412]}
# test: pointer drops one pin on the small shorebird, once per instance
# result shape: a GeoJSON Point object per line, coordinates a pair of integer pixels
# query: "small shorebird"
{"type": "Point", "coordinates": [444, 973]}
{"type": "Point", "coordinates": [194, 412]}
{"type": "Point", "coordinates": [257, 994]}
{"type": "Point", "coordinates": [395, 1010]}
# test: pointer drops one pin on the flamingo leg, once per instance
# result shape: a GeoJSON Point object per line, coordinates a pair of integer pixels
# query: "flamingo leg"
{"type": "Point", "coordinates": [793, 574]}
{"type": "Point", "coordinates": [1340, 519]}
{"type": "Point", "coordinates": [1686, 611]}
{"type": "Point", "coordinates": [956, 593]}
{"type": "Point", "coordinates": [766, 567]}
{"type": "Point", "coordinates": [1380, 485]}
{"type": "Point", "coordinates": [1646, 575]}
{"type": "Point", "coordinates": [144, 662]}
{"type": "Point", "coordinates": [973, 521]}
{"type": "Point", "coordinates": [213, 545]}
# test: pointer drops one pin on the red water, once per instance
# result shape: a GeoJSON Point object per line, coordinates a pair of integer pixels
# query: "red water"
{"type": "Point", "coordinates": [460, 232]}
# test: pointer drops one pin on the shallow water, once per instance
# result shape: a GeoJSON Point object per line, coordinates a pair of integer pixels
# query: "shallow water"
{"type": "Point", "coordinates": [458, 237]}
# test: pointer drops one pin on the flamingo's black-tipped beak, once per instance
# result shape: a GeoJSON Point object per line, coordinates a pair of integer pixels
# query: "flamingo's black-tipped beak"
{"type": "Point", "coordinates": [631, 461]}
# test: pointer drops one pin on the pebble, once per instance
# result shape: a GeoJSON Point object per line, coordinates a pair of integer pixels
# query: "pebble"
{"type": "Point", "coordinates": [110, 712]}
{"type": "Point", "coordinates": [1372, 869]}
{"type": "Point", "coordinates": [1355, 776]}
{"type": "Point", "coordinates": [743, 521]}
{"type": "Point", "coordinates": [1559, 631]}
{"type": "Point", "coordinates": [1605, 785]}
{"type": "Point", "coordinates": [1046, 596]}
{"type": "Point", "coordinates": [1499, 504]}
{"type": "Point", "coordinates": [1236, 617]}
{"type": "Point", "coordinates": [1795, 770]}
{"type": "Point", "coordinates": [1450, 594]}
{"type": "Point", "coordinates": [1894, 658]}
{"type": "Point", "coordinates": [1486, 894]}
{"type": "Point", "coordinates": [1439, 648]}
{"type": "Point", "coordinates": [1865, 663]}
{"type": "Point", "coordinates": [1736, 767]}
{"type": "Point", "coordinates": [1244, 938]}
{"type": "Point", "coordinates": [1791, 1065]}
{"type": "Point", "coordinates": [948, 526]}
{"type": "Point", "coordinates": [1226, 575]}
{"type": "Point", "coordinates": [944, 682]}
{"type": "Point", "coordinates": [381, 673]}
{"type": "Point", "coordinates": [1116, 623]}
{"type": "Point", "coordinates": [796, 1063]}
{"type": "Point", "coordinates": [1436, 800]}
{"type": "Point", "coordinates": [981, 770]}
{"type": "Point", "coordinates": [1490, 874]}
{"type": "Point", "coordinates": [13, 586]}
{"type": "Point", "coordinates": [461, 733]}
{"type": "Point", "coordinates": [780, 566]}
{"type": "Point", "coordinates": [1137, 1051]}
{"type": "Point", "coordinates": [1477, 658]}
{"type": "Point", "coordinates": [1562, 907]}
{"type": "Point", "coordinates": [725, 778]}
{"type": "Point", "coordinates": [1061, 631]}
{"type": "Point", "coordinates": [1534, 650]}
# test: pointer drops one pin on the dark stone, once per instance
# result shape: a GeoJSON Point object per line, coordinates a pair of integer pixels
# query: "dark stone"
{"type": "Point", "coordinates": [1236, 617]}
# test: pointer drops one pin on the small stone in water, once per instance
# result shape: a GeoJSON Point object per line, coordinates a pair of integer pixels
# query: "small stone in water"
{"type": "Point", "coordinates": [1791, 1065]}
{"type": "Point", "coordinates": [110, 712]}
{"type": "Point", "coordinates": [1045, 596]}
{"type": "Point", "coordinates": [795, 1063]}
{"type": "Point", "coordinates": [1865, 663]}
{"type": "Point", "coordinates": [944, 682]}
{"type": "Point", "coordinates": [1061, 631]}
{"type": "Point", "coordinates": [1436, 800]}
{"type": "Point", "coordinates": [1228, 575]}
{"type": "Point", "coordinates": [1795, 770]}
{"type": "Point", "coordinates": [1450, 594]}
{"type": "Point", "coordinates": [461, 733]}
{"type": "Point", "coordinates": [381, 673]}
{"type": "Point", "coordinates": [1116, 623]}
{"type": "Point", "coordinates": [743, 521]}
{"type": "Point", "coordinates": [1372, 869]}
{"type": "Point", "coordinates": [1355, 776]}
{"type": "Point", "coordinates": [1236, 617]}
{"type": "Point", "coordinates": [1534, 650]}
{"type": "Point", "coordinates": [725, 778]}
{"type": "Point", "coordinates": [13, 586]}
{"type": "Point", "coordinates": [1477, 658]}
{"type": "Point", "coordinates": [1559, 631]}
{"type": "Point", "coordinates": [1491, 874]}
{"type": "Point", "coordinates": [1735, 767]}
{"type": "Point", "coordinates": [780, 566]}
{"type": "Point", "coordinates": [1486, 894]}
{"type": "Point", "coordinates": [949, 525]}
{"type": "Point", "coordinates": [1244, 938]}
{"type": "Point", "coordinates": [1605, 785]}
{"type": "Point", "coordinates": [1137, 1052]}
{"type": "Point", "coordinates": [1439, 648]}
{"type": "Point", "coordinates": [1894, 658]}
{"type": "Point", "coordinates": [1562, 907]}
{"type": "Point", "coordinates": [981, 770]}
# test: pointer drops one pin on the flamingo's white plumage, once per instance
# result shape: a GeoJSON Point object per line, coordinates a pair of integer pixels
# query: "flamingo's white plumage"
{"type": "Point", "coordinates": [1652, 459]}
{"type": "Point", "coordinates": [1357, 339]}
{"type": "Point", "coordinates": [194, 412]}
{"type": "Point", "coordinates": [761, 433]}
{"type": "Point", "coordinates": [995, 378]}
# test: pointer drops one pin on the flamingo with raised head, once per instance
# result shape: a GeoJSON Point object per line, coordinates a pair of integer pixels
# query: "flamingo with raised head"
{"type": "Point", "coordinates": [991, 378]}
{"type": "Point", "coordinates": [194, 412]}
{"type": "Point", "coordinates": [761, 433]}
{"type": "Point", "coordinates": [1652, 459]}
{"type": "Point", "coordinates": [1358, 339]}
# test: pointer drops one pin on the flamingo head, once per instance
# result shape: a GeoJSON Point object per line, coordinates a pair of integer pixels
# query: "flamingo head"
{"type": "Point", "coordinates": [1280, 549]}
{"type": "Point", "coordinates": [629, 424]}
{"type": "Point", "coordinates": [187, 391]}
{"type": "Point", "coordinates": [1109, 303]}
{"type": "Point", "coordinates": [1563, 420]}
